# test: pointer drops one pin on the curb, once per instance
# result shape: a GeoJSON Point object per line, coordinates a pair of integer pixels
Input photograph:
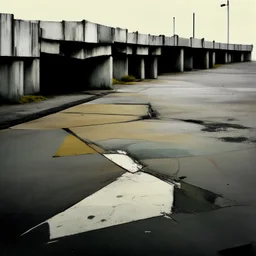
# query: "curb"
{"type": "Point", "coordinates": [46, 112]}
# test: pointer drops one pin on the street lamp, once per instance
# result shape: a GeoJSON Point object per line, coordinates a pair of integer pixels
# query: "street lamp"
{"type": "Point", "coordinates": [224, 5]}
{"type": "Point", "coordinates": [173, 26]}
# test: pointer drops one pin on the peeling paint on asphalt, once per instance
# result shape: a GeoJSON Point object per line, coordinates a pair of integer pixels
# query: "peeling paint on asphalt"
{"type": "Point", "coordinates": [123, 160]}
{"type": "Point", "coordinates": [143, 196]}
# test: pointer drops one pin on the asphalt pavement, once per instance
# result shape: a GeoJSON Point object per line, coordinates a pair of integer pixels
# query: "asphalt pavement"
{"type": "Point", "coordinates": [162, 167]}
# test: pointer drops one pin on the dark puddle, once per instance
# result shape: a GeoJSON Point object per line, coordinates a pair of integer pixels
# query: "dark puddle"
{"type": "Point", "coordinates": [234, 139]}
{"type": "Point", "coordinates": [191, 199]}
{"type": "Point", "coordinates": [215, 127]}
{"type": "Point", "coordinates": [237, 139]}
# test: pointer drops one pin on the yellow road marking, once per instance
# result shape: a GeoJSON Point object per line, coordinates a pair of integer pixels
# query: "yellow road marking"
{"type": "Point", "coordinates": [73, 146]}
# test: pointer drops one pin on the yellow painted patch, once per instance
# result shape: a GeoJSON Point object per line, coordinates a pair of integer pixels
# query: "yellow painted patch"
{"type": "Point", "coordinates": [65, 120]}
{"type": "Point", "coordinates": [73, 147]}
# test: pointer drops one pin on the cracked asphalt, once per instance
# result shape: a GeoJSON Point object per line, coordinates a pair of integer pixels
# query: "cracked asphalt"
{"type": "Point", "coordinates": [193, 133]}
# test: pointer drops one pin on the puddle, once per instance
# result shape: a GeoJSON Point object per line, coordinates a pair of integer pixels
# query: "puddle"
{"type": "Point", "coordinates": [123, 160]}
{"type": "Point", "coordinates": [130, 198]}
{"type": "Point", "coordinates": [190, 199]}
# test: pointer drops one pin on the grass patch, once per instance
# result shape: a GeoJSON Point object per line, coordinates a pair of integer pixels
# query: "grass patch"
{"type": "Point", "coordinates": [217, 65]}
{"type": "Point", "coordinates": [126, 80]}
{"type": "Point", "coordinates": [31, 98]}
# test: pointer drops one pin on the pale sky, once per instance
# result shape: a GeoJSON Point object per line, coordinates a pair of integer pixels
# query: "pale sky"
{"type": "Point", "coordinates": [149, 16]}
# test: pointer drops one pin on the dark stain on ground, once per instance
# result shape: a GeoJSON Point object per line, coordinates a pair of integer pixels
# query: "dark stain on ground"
{"type": "Point", "coordinates": [247, 249]}
{"type": "Point", "coordinates": [234, 139]}
{"type": "Point", "coordinates": [119, 196]}
{"type": "Point", "coordinates": [90, 217]}
{"type": "Point", "coordinates": [214, 127]}
{"type": "Point", "coordinates": [237, 139]}
{"type": "Point", "coordinates": [231, 119]}
{"type": "Point", "coordinates": [103, 220]}
{"type": "Point", "coordinates": [191, 199]}
{"type": "Point", "coordinates": [218, 127]}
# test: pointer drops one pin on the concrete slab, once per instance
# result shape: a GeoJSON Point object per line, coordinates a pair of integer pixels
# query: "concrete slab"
{"type": "Point", "coordinates": [66, 120]}
{"type": "Point", "coordinates": [109, 109]}
{"type": "Point", "coordinates": [34, 185]}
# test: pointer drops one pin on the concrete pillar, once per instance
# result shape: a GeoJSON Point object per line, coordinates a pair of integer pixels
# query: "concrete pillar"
{"type": "Point", "coordinates": [151, 64]}
{"type": "Point", "coordinates": [32, 76]}
{"type": "Point", "coordinates": [206, 60]}
{"type": "Point", "coordinates": [102, 74]}
{"type": "Point", "coordinates": [247, 56]}
{"type": "Point", "coordinates": [120, 66]}
{"type": "Point", "coordinates": [225, 57]}
{"type": "Point", "coordinates": [140, 67]}
{"type": "Point", "coordinates": [188, 61]}
{"type": "Point", "coordinates": [179, 60]}
{"type": "Point", "coordinates": [229, 58]}
{"type": "Point", "coordinates": [4, 79]}
{"type": "Point", "coordinates": [242, 57]}
{"type": "Point", "coordinates": [212, 59]}
{"type": "Point", "coordinates": [16, 80]}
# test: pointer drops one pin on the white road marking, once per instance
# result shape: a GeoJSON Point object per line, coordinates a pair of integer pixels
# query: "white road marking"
{"type": "Point", "coordinates": [130, 198]}
{"type": "Point", "coordinates": [124, 161]}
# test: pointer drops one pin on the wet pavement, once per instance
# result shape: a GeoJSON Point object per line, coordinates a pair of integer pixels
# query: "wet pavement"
{"type": "Point", "coordinates": [162, 167]}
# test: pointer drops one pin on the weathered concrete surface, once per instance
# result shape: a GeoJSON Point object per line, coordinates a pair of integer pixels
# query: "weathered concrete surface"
{"type": "Point", "coordinates": [35, 185]}
{"type": "Point", "coordinates": [15, 114]}
{"type": "Point", "coordinates": [200, 138]}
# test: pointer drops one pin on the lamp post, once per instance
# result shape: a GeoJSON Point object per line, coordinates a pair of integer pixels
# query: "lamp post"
{"type": "Point", "coordinates": [173, 26]}
{"type": "Point", "coordinates": [227, 5]}
{"type": "Point", "coordinates": [194, 24]}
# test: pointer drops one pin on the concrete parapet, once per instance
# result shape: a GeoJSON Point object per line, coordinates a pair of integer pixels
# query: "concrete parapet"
{"type": "Point", "coordinates": [90, 32]}
{"type": "Point", "coordinates": [185, 42]}
{"type": "Point", "coordinates": [142, 39]}
{"type": "Point", "coordinates": [121, 35]}
{"type": "Point", "coordinates": [26, 39]}
{"type": "Point", "coordinates": [155, 40]}
{"type": "Point", "coordinates": [105, 34]}
{"type": "Point", "coordinates": [6, 34]}
{"type": "Point", "coordinates": [74, 31]}
{"type": "Point", "coordinates": [208, 44]}
{"type": "Point", "coordinates": [195, 43]}
{"type": "Point", "coordinates": [132, 38]}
